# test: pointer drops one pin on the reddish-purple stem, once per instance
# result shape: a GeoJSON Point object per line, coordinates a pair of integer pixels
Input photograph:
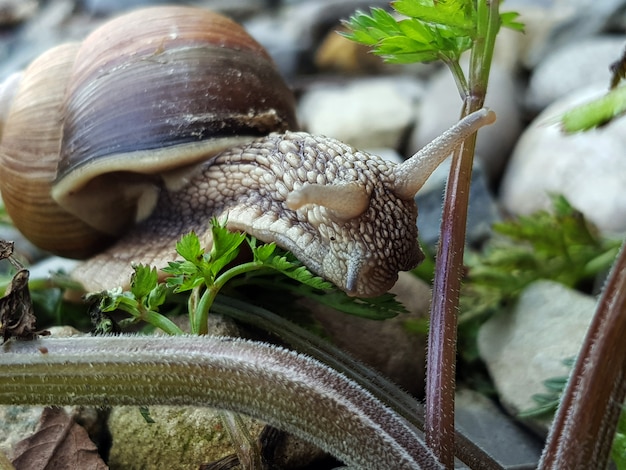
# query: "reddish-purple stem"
{"type": "Point", "coordinates": [582, 432]}
{"type": "Point", "coordinates": [440, 381]}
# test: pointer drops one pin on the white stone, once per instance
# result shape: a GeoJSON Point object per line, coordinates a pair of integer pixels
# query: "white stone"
{"type": "Point", "coordinates": [526, 346]}
{"type": "Point", "coordinates": [572, 67]}
{"type": "Point", "coordinates": [588, 168]}
{"type": "Point", "coordinates": [441, 106]}
{"type": "Point", "coordinates": [367, 113]}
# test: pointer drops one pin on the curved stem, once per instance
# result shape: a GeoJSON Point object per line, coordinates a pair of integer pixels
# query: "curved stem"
{"type": "Point", "coordinates": [288, 390]}
{"type": "Point", "coordinates": [387, 392]}
{"type": "Point", "coordinates": [585, 423]}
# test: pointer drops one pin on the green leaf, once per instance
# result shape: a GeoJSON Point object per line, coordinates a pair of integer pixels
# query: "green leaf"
{"type": "Point", "coordinates": [143, 280]}
{"type": "Point", "coordinates": [595, 113]}
{"type": "Point", "coordinates": [508, 21]}
{"type": "Point", "coordinates": [263, 253]}
{"type": "Point", "coordinates": [157, 297]}
{"type": "Point", "coordinates": [189, 247]}
{"type": "Point", "coordinates": [225, 246]}
{"type": "Point", "coordinates": [458, 15]}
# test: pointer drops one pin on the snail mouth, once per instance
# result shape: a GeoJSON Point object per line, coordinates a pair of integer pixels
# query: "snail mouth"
{"type": "Point", "coordinates": [353, 275]}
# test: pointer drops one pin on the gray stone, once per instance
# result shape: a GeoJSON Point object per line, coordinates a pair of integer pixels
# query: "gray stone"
{"type": "Point", "coordinates": [386, 346]}
{"type": "Point", "coordinates": [572, 67]}
{"type": "Point", "coordinates": [527, 346]}
{"type": "Point", "coordinates": [588, 168]}
{"type": "Point", "coordinates": [494, 431]}
{"type": "Point", "coordinates": [180, 437]}
{"type": "Point", "coordinates": [482, 211]}
{"type": "Point", "coordinates": [551, 24]}
{"type": "Point", "coordinates": [365, 113]}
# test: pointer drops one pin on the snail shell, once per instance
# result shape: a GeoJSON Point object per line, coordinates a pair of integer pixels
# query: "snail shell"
{"type": "Point", "coordinates": [99, 125]}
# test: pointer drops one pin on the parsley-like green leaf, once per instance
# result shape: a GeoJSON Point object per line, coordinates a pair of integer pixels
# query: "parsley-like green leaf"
{"type": "Point", "coordinates": [189, 247]}
{"type": "Point", "coordinates": [225, 246]}
{"type": "Point", "coordinates": [143, 280]}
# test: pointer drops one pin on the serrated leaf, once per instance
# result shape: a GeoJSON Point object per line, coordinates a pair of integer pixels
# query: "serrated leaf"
{"type": "Point", "coordinates": [458, 15]}
{"type": "Point", "coordinates": [189, 247]}
{"type": "Point", "coordinates": [377, 308]}
{"type": "Point", "coordinates": [225, 247]}
{"type": "Point", "coordinates": [157, 297]}
{"type": "Point", "coordinates": [264, 252]}
{"type": "Point", "coordinates": [415, 30]}
{"type": "Point", "coordinates": [143, 280]}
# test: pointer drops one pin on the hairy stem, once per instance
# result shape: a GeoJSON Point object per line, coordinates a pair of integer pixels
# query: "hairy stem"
{"type": "Point", "coordinates": [585, 423]}
{"type": "Point", "coordinates": [286, 389]}
{"type": "Point", "coordinates": [387, 392]}
{"type": "Point", "coordinates": [440, 380]}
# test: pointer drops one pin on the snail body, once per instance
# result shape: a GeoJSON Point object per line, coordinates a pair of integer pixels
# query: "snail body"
{"type": "Point", "coordinates": [167, 158]}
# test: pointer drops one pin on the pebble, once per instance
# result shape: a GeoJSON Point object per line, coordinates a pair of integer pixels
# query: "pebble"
{"type": "Point", "coordinates": [386, 345]}
{"type": "Point", "coordinates": [483, 209]}
{"type": "Point", "coordinates": [365, 113]}
{"type": "Point", "coordinates": [588, 168]}
{"type": "Point", "coordinates": [528, 345]}
{"type": "Point", "coordinates": [572, 67]}
{"type": "Point", "coordinates": [492, 429]}
{"type": "Point", "coordinates": [440, 108]}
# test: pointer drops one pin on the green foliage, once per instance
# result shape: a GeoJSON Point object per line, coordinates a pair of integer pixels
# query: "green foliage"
{"type": "Point", "coordinates": [618, 451]}
{"type": "Point", "coordinates": [547, 403]}
{"type": "Point", "coordinates": [426, 30]}
{"type": "Point", "coordinates": [595, 113]}
{"type": "Point", "coordinates": [559, 245]}
{"type": "Point", "coordinates": [202, 275]}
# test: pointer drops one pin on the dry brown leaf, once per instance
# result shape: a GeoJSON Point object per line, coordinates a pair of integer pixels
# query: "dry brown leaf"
{"type": "Point", "coordinates": [17, 317]}
{"type": "Point", "coordinates": [58, 444]}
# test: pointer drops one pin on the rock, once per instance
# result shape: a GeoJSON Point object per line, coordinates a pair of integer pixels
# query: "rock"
{"type": "Point", "coordinates": [494, 431]}
{"type": "Point", "coordinates": [292, 33]}
{"type": "Point", "coordinates": [386, 345]}
{"type": "Point", "coordinates": [365, 113]}
{"type": "Point", "coordinates": [572, 67]}
{"type": "Point", "coordinates": [181, 438]}
{"type": "Point", "coordinates": [440, 107]}
{"type": "Point", "coordinates": [19, 422]}
{"type": "Point", "coordinates": [16, 11]}
{"type": "Point", "coordinates": [588, 168]}
{"type": "Point", "coordinates": [528, 345]}
{"type": "Point", "coordinates": [482, 211]}
{"type": "Point", "coordinates": [551, 24]}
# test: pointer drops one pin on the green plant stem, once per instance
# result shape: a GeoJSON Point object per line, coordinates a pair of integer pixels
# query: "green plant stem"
{"type": "Point", "coordinates": [200, 318]}
{"type": "Point", "coordinates": [287, 390]}
{"type": "Point", "coordinates": [583, 428]}
{"type": "Point", "coordinates": [440, 381]}
{"type": "Point", "coordinates": [159, 321]}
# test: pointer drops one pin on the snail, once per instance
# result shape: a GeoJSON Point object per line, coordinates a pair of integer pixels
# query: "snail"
{"type": "Point", "coordinates": [165, 117]}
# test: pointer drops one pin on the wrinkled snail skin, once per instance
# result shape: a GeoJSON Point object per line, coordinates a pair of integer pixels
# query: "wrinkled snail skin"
{"type": "Point", "coordinates": [249, 186]}
{"type": "Point", "coordinates": [167, 151]}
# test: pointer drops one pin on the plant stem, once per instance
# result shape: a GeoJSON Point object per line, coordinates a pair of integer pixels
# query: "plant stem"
{"type": "Point", "coordinates": [440, 380]}
{"type": "Point", "coordinates": [583, 429]}
{"type": "Point", "coordinates": [390, 394]}
{"type": "Point", "coordinates": [288, 390]}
